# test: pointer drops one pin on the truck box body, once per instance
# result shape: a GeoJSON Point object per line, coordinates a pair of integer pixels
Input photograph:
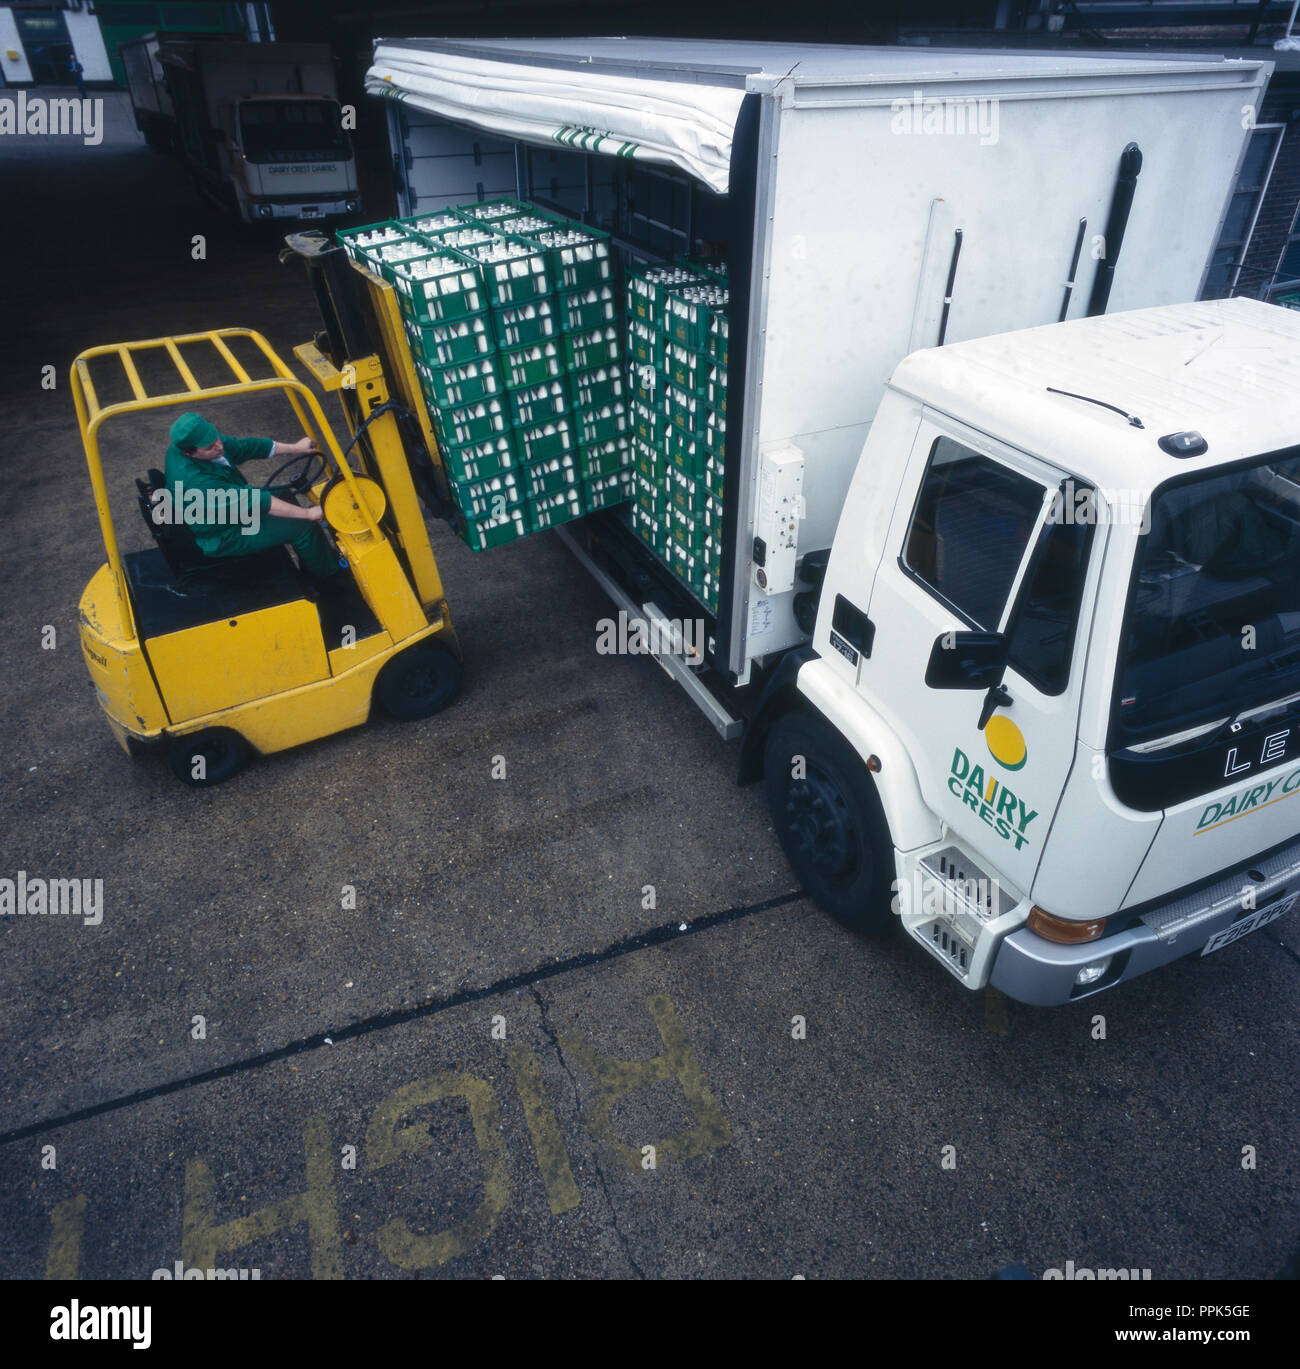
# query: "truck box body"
{"type": "Point", "coordinates": [841, 181]}
{"type": "Point", "coordinates": [259, 124]}
{"type": "Point", "coordinates": [150, 102]}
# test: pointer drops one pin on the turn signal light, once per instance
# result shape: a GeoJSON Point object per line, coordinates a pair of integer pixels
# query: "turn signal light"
{"type": "Point", "coordinates": [1063, 930]}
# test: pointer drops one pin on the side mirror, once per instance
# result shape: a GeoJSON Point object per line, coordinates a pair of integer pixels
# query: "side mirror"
{"type": "Point", "coordinates": [967, 660]}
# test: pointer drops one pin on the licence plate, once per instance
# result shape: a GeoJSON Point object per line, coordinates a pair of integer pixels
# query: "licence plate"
{"type": "Point", "coordinates": [1261, 917]}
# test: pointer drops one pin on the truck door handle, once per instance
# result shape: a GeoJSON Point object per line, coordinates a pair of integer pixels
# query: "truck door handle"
{"type": "Point", "coordinates": [996, 698]}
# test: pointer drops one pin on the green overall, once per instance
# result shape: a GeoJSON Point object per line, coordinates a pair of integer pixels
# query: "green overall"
{"type": "Point", "coordinates": [229, 537]}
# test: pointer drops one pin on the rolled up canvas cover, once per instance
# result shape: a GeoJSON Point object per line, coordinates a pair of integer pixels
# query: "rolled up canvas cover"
{"type": "Point", "coordinates": [684, 124]}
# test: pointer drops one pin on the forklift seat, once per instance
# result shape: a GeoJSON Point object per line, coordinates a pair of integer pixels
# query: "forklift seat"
{"type": "Point", "coordinates": [190, 567]}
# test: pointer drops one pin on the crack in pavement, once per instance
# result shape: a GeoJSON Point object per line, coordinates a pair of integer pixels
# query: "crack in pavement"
{"type": "Point", "coordinates": [595, 1150]}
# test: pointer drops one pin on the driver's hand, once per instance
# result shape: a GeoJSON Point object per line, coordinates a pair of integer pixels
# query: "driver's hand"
{"type": "Point", "coordinates": [315, 513]}
{"type": "Point", "coordinates": [303, 446]}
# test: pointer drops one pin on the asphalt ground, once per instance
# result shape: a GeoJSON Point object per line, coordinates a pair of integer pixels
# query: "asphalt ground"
{"type": "Point", "coordinates": [459, 1077]}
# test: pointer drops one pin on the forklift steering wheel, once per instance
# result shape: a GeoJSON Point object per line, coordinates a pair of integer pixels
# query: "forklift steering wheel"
{"type": "Point", "coordinates": [299, 483]}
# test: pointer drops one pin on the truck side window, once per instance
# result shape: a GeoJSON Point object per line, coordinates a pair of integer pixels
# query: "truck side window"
{"type": "Point", "coordinates": [1047, 614]}
{"type": "Point", "coordinates": [971, 525]}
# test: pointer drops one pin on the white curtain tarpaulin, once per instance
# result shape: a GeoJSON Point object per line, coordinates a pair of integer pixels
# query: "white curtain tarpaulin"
{"type": "Point", "coordinates": [682, 124]}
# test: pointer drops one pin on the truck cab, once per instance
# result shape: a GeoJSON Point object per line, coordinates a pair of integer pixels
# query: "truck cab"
{"type": "Point", "coordinates": [289, 157]}
{"type": "Point", "coordinates": [1056, 663]}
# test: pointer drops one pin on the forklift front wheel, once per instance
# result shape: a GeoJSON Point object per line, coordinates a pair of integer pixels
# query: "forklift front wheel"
{"type": "Point", "coordinates": [419, 682]}
{"type": "Point", "coordinates": [209, 757]}
{"type": "Point", "coordinates": [829, 820]}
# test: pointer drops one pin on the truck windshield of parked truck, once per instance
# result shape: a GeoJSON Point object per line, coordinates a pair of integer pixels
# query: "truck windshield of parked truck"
{"type": "Point", "coordinates": [1213, 627]}
{"type": "Point", "coordinates": [292, 131]}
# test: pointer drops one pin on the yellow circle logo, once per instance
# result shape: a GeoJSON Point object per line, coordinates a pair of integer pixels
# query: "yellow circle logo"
{"type": "Point", "coordinates": [1006, 742]}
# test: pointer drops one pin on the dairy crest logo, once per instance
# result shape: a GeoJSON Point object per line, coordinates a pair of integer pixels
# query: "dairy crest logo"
{"type": "Point", "coordinates": [1000, 808]}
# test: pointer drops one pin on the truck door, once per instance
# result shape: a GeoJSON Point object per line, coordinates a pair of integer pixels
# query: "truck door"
{"type": "Point", "coordinates": [992, 541]}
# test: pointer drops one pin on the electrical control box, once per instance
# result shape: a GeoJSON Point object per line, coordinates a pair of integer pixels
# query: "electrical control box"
{"type": "Point", "coordinates": [780, 507]}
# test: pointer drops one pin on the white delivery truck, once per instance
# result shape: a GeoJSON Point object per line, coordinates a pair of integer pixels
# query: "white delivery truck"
{"type": "Point", "coordinates": [259, 124]}
{"type": "Point", "coordinates": [1010, 589]}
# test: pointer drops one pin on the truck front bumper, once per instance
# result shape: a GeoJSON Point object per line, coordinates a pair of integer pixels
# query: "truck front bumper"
{"type": "Point", "coordinates": [266, 211]}
{"type": "Point", "coordinates": [1043, 973]}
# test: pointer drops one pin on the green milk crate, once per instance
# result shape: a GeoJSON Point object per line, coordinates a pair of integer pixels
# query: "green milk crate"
{"type": "Point", "coordinates": [385, 260]}
{"type": "Point", "coordinates": [425, 224]}
{"type": "Point", "coordinates": [645, 290]}
{"type": "Point", "coordinates": [514, 270]}
{"type": "Point", "coordinates": [546, 477]}
{"type": "Point", "coordinates": [542, 441]}
{"type": "Point", "coordinates": [479, 460]}
{"type": "Point", "coordinates": [686, 369]}
{"type": "Point", "coordinates": [579, 257]}
{"type": "Point", "coordinates": [537, 403]}
{"type": "Point", "coordinates": [446, 344]}
{"type": "Point", "coordinates": [482, 533]}
{"type": "Point", "coordinates": [688, 313]}
{"type": "Point", "coordinates": [461, 239]}
{"type": "Point", "coordinates": [646, 461]}
{"type": "Point", "coordinates": [592, 347]}
{"type": "Point", "coordinates": [645, 344]}
{"type": "Point", "coordinates": [493, 211]}
{"type": "Point", "coordinates": [487, 498]}
{"type": "Point", "coordinates": [531, 364]}
{"type": "Point", "coordinates": [549, 510]}
{"type": "Point", "coordinates": [604, 385]}
{"type": "Point", "coordinates": [438, 288]}
{"type": "Point", "coordinates": [681, 492]}
{"type": "Point", "coordinates": [517, 325]}
{"type": "Point", "coordinates": [358, 243]}
{"type": "Point", "coordinates": [715, 388]}
{"type": "Point", "coordinates": [647, 424]}
{"type": "Point", "coordinates": [681, 528]}
{"type": "Point", "coordinates": [647, 493]}
{"type": "Point", "coordinates": [466, 424]}
{"type": "Point", "coordinates": [685, 410]}
{"type": "Point", "coordinates": [714, 479]}
{"type": "Point", "coordinates": [718, 338]}
{"type": "Point", "coordinates": [602, 491]}
{"type": "Point", "coordinates": [450, 387]}
{"type": "Point", "coordinates": [715, 431]}
{"type": "Point", "coordinates": [583, 310]}
{"type": "Point", "coordinates": [685, 452]}
{"type": "Point", "coordinates": [605, 458]}
{"type": "Point", "coordinates": [521, 225]}
{"type": "Point", "coordinates": [602, 422]}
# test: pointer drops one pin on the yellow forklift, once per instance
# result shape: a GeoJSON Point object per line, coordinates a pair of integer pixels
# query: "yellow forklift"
{"type": "Point", "coordinates": [217, 659]}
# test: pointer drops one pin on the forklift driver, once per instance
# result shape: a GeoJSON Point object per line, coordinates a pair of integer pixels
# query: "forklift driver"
{"type": "Point", "coordinates": [202, 458]}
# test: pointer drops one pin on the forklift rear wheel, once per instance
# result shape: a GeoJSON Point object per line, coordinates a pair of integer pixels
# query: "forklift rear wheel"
{"type": "Point", "coordinates": [830, 823]}
{"type": "Point", "coordinates": [207, 758]}
{"type": "Point", "coordinates": [420, 682]}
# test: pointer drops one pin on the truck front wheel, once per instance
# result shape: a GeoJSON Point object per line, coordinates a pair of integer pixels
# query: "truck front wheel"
{"type": "Point", "coordinates": [829, 821]}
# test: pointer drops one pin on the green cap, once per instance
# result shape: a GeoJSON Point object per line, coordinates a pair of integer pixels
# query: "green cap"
{"type": "Point", "coordinates": [192, 430]}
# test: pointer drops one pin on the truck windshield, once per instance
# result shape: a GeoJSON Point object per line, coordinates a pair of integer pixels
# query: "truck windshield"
{"type": "Point", "coordinates": [1213, 627]}
{"type": "Point", "coordinates": [292, 131]}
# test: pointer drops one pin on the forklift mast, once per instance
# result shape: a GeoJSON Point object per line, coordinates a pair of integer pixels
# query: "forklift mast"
{"type": "Point", "coordinates": [362, 332]}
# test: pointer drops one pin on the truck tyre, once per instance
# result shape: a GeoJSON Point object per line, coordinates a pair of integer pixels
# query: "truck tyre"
{"type": "Point", "coordinates": [830, 823]}
{"type": "Point", "coordinates": [419, 682]}
{"type": "Point", "coordinates": [223, 753]}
